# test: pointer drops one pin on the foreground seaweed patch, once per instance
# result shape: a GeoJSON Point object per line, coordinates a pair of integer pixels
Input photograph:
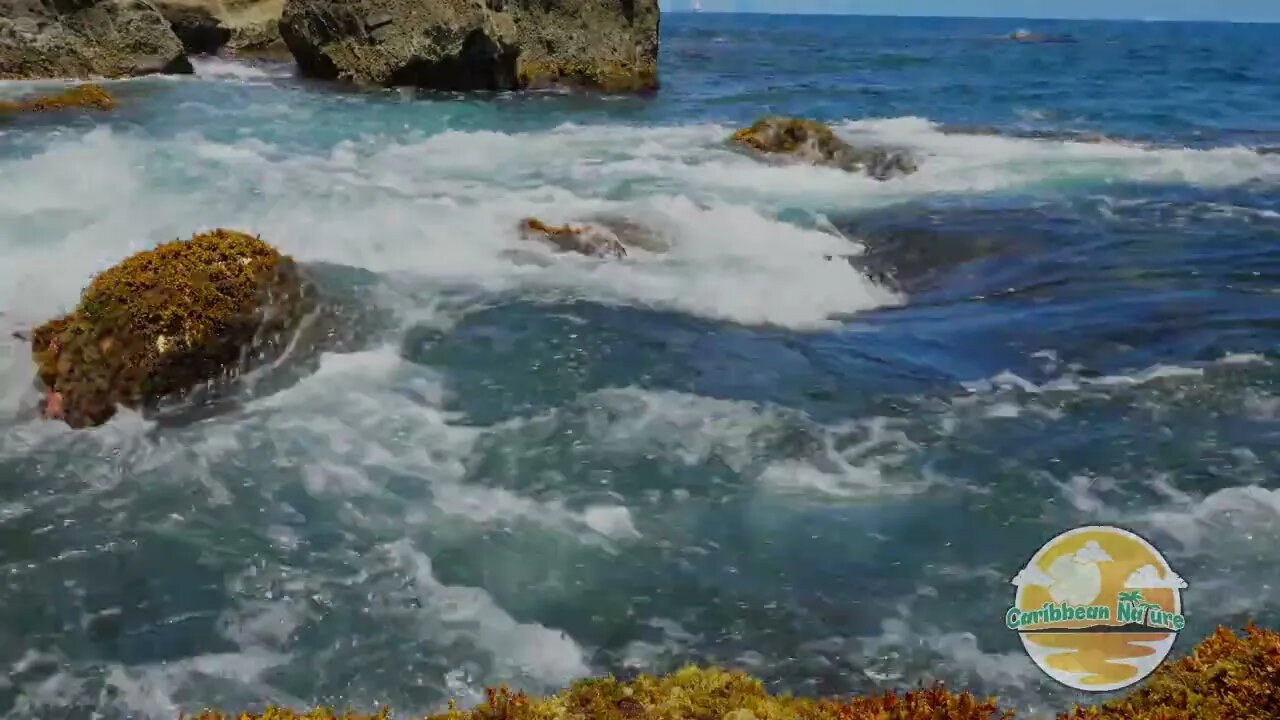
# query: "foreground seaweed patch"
{"type": "Point", "coordinates": [1227, 677]}
{"type": "Point", "coordinates": [80, 96]}
{"type": "Point", "coordinates": [690, 694]}
{"type": "Point", "coordinates": [165, 320]}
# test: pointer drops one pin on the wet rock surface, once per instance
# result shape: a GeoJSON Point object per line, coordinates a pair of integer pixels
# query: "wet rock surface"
{"type": "Point", "coordinates": [812, 142]}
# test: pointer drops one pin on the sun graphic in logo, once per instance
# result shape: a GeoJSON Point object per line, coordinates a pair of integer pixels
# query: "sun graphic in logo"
{"type": "Point", "coordinates": [1097, 608]}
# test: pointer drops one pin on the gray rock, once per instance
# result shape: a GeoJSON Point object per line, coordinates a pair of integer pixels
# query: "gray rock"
{"type": "Point", "coordinates": [610, 45]}
{"type": "Point", "coordinates": [83, 38]}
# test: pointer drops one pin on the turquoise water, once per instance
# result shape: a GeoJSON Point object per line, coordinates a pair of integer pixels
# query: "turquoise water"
{"type": "Point", "coordinates": [512, 466]}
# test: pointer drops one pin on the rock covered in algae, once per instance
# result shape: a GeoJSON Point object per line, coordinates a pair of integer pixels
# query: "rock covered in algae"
{"type": "Point", "coordinates": [1227, 677]}
{"type": "Point", "coordinates": [80, 96]}
{"type": "Point", "coordinates": [588, 240]}
{"type": "Point", "coordinates": [166, 320]}
{"type": "Point", "coordinates": [812, 142]}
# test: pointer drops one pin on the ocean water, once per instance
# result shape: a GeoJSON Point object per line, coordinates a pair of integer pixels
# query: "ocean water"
{"type": "Point", "coordinates": [513, 466]}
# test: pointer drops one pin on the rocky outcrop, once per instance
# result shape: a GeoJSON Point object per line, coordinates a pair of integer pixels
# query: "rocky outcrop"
{"type": "Point", "coordinates": [86, 38]}
{"type": "Point", "coordinates": [610, 45]}
{"type": "Point", "coordinates": [241, 28]}
{"type": "Point", "coordinates": [588, 240]}
{"type": "Point", "coordinates": [199, 29]}
{"type": "Point", "coordinates": [165, 321]}
{"type": "Point", "coordinates": [812, 142]}
{"type": "Point", "coordinates": [82, 96]}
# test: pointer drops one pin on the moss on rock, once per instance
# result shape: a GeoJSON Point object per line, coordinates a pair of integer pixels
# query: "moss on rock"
{"type": "Point", "coordinates": [88, 95]}
{"type": "Point", "coordinates": [813, 142]}
{"type": "Point", "coordinates": [1227, 677]}
{"type": "Point", "coordinates": [166, 320]}
{"type": "Point", "coordinates": [603, 77]}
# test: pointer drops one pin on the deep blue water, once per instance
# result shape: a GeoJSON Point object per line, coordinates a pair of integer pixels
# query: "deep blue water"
{"type": "Point", "coordinates": [521, 467]}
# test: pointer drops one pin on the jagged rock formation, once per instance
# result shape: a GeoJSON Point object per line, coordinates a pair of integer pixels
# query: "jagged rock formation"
{"type": "Point", "coordinates": [610, 45]}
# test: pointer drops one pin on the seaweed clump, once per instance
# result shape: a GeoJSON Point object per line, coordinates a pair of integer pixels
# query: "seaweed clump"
{"type": "Point", "coordinates": [585, 239]}
{"type": "Point", "coordinates": [813, 142]}
{"type": "Point", "coordinates": [87, 95]}
{"type": "Point", "coordinates": [689, 694]}
{"type": "Point", "coordinates": [1226, 677]}
{"type": "Point", "coordinates": [166, 320]}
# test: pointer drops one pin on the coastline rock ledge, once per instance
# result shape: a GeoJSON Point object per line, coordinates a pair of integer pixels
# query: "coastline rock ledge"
{"type": "Point", "coordinates": [460, 45]}
{"type": "Point", "coordinates": [84, 38]}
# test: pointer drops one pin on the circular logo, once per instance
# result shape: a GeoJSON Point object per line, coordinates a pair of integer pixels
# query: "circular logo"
{"type": "Point", "coordinates": [1097, 608]}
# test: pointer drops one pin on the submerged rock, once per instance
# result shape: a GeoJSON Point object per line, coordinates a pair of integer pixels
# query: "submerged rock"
{"type": "Point", "coordinates": [84, 38]}
{"type": "Point", "coordinates": [814, 143]}
{"type": "Point", "coordinates": [631, 233]}
{"type": "Point", "coordinates": [1067, 136]}
{"type": "Point", "coordinates": [80, 96]}
{"type": "Point", "coordinates": [588, 240]}
{"type": "Point", "coordinates": [610, 45]}
{"type": "Point", "coordinates": [1027, 36]}
{"type": "Point", "coordinates": [166, 320]}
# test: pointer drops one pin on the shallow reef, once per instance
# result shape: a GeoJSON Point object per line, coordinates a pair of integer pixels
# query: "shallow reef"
{"type": "Point", "coordinates": [1228, 676]}
{"type": "Point", "coordinates": [88, 95]}
{"type": "Point", "coordinates": [166, 320]}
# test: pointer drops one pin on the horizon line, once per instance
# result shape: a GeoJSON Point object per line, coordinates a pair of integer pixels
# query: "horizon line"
{"type": "Point", "coordinates": [1225, 21]}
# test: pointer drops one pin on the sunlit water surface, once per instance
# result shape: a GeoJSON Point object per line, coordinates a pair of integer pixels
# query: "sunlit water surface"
{"type": "Point", "coordinates": [526, 468]}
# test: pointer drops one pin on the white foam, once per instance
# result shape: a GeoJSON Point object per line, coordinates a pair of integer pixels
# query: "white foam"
{"type": "Point", "coordinates": [487, 505]}
{"type": "Point", "coordinates": [1244, 359]}
{"type": "Point", "coordinates": [1248, 513]}
{"type": "Point", "coordinates": [1073, 382]}
{"type": "Point", "coordinates": [518, 649]}
{"type": "Point", "coordinates": [986, 163]}
{"type": "Point", "coordinates": [439, 208]}
{"type": "Point", "coordinates": [444, 207]}
{"type": "Point", "coordinates": [854, 460]}
{"type": "Point", "coordinates": [216, 68]}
